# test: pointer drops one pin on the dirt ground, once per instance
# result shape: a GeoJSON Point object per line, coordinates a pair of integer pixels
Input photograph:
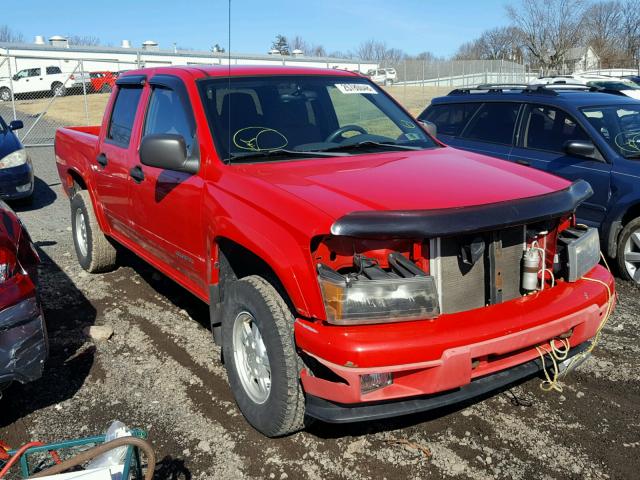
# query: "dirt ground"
{"type": "Point", "coordinates": [160, 371]}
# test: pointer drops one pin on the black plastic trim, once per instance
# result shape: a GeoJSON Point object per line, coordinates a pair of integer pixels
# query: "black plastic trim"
{"type": "Point", "coordinates": [450, 221]}
{"type": "Point", "coordinates": [331, 412]}
{"type": "Point", "coordinates": [131, 80]}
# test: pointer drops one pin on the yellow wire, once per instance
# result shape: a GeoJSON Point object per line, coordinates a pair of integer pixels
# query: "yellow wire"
{"type": "Point", "coordinates": [556, 354]}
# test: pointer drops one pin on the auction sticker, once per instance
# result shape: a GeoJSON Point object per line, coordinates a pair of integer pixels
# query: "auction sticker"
{"type": "Point", "coordinates": [355, 88]}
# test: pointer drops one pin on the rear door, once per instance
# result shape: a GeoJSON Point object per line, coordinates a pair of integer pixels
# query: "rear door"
{"type": "Point", "coordinates": [167, 204]}
{"type": "Point", "coordinates": [545, 130]}
{"type": "Point", "coordinates": [115, 155]}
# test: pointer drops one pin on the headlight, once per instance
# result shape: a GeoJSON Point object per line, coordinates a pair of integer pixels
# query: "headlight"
{"type": "Point", "coordinates": [582, 247]}
{"type": "Point", "coordinates": [14, 159]}
{"type": "Point", "coordinates": [350, 301]}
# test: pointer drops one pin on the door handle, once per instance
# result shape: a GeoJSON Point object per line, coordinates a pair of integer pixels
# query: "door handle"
{"type": "Point", "coordinates": [137, 174]}
{"type": "Point", "coordinates": [523, 162]}
{"type": "Point", "coordinates": [102, 160]}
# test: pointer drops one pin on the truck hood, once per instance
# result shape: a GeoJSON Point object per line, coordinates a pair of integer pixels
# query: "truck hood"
{"type": "Point", "coordinates": [416, 180]}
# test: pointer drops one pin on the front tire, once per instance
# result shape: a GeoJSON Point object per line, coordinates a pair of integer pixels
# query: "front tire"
{"type": "Point", "coordinates": [5, 94]}
{"type": "Point", "coordinates": [260, 357]}
{"type": "Point", "coordinates": [94, 250]}
{"type": "Point", "coordinates": [628, 255]}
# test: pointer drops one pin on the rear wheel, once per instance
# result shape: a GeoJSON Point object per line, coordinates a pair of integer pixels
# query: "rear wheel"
{"type": "Point", "coordinates": [628, 254]}
{"type": "Point", "coordinates": [260, 357]}
{"type": "Point", "coordinates": [94, 250]}
{"type": "Point", "coordinates": [106, 88]}
{"type": "Point", "coordinates": [58, 90]}
{"type": "Point", "coordinates": [5, 94]}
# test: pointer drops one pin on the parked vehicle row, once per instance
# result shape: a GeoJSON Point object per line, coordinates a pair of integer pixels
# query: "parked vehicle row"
{"type": "Point", "coordinates": [355, 268]}
{"type": "Point", "coordinates": [51, 79]}
{"type": "Point", "coordinates": [570, 132]}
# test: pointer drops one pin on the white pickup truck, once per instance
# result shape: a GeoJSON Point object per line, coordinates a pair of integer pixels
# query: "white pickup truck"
{"type": "Point", "coordinates": [38, 79]}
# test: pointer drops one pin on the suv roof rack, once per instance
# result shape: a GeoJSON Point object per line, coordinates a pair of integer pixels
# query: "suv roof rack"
{"type": "Point", "coordinates": [543, 89]}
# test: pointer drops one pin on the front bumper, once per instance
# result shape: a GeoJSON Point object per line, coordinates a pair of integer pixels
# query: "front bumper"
{"type": "Point", "coordinates": [331, 412]}
{"type": "Point", "coordinates": [16, 182]}
{"type": "Point", "coordinates": [24, 345]}
{"type": "Point", "coordinates": [452, 351]}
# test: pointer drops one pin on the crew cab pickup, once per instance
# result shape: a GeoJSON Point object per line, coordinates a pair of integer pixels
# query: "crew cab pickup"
{"type": "Point", "coordinates": [355, 267]}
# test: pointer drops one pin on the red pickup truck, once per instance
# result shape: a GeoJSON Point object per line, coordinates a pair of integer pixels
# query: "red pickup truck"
{"type": "Point", "coordinates": [355, 267]}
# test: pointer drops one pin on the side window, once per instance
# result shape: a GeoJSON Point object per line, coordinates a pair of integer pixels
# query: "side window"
{"type": "Point", "coordinates": [34, 72]}
{"type": "Point", "coordinates": [166, 114]}
{"type": "Point", "coordinates": [123, 115]}
{"type": "Point", "coordinates": [450, 118]}
{"type": "Point", "coordinates": [548, 128]}
{"type": "Point", "coordinates": [493, 123]}
{"type": "Point", "coordinates": [53, 70]}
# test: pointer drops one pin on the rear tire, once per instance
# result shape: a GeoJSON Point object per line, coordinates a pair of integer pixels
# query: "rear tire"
{"type": "Point", "coordinates": [106, 88]}
{"type": "Point", "coordinates": [257, 337]}
{"type": "Point", "coordinates": [5, 94]}
{"type": "Point", "coordinates": [628, 254]}
{"type": "Point", "coordinates": [94, 250]}
{"type": "Point", "coordinates": [58, 89]}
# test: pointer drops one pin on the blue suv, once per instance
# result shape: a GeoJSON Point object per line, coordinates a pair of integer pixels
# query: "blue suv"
{"type": "Point", "coordinates": [571, 131]}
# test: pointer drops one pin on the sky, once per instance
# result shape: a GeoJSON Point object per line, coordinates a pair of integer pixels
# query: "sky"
{"type": "Point", "coordinates": [339, 25]}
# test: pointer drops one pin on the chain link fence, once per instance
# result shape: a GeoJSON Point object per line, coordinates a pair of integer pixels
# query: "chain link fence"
{"type": "Point", "coordinates": [48, 93]}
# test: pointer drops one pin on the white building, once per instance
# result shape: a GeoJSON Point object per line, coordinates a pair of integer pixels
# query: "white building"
{"type": "Point", "coordinates": [580, 59]}
{"type": "Point", "coordinates": [58, 52]}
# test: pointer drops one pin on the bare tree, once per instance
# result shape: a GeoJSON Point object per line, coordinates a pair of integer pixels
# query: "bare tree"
{"type": "Point", "coordinates": [83, 40]}
{"type": "Point", "coordinates": [8, 35]}
{"type": "Point", "coordinates": [603, 23]}
{"type": "Point", "coordinates": [549, 28]}
{"type": "Point", "coordinates": [376, 51]}
{"type": "Point", "coordinates": [503, 43]}
{"type": "Point", "coordinates": [631, 30]}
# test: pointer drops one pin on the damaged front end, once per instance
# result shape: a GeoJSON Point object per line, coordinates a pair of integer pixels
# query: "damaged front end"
{"type": "Point", "coordinates": [24, 344]}
{"type": "Point", "coordinates": [395, 266]}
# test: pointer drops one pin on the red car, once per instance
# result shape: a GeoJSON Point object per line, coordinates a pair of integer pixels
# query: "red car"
{"type": "Point", "coordinates": [23, 336]}
{"type": "Point", "coordinates": [103, 82]}
{"type": "Point", "coordinates": [355, 267]}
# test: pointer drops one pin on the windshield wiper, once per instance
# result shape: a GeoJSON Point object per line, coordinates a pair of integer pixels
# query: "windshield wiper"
{"type": "Point", "coordinates": [281, 152]}
{"type": "Point", "coordinates": [371, 143]}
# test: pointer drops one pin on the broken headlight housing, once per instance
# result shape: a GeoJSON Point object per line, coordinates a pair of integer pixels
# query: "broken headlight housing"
{"type": "Point", "coordinates": [384, 297]}
{"type": "Point", "coordinates": [580, 248]}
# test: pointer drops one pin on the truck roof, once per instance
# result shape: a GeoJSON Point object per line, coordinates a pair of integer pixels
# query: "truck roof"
{"type": "Point", "coordinates": [240, 71]}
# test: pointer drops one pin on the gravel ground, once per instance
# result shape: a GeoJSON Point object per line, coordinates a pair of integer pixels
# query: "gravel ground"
{"type": "Point", "coordinates": [160, 371]}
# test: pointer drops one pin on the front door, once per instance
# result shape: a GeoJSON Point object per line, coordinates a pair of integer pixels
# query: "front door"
{"type": "Point", "coordinates": [544, 134]}
{"type": "Point", "coordinates": [167, 204]}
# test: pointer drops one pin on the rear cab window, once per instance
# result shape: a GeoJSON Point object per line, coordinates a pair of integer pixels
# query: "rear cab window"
{"type": "Point", "coordinates": [123, 115]}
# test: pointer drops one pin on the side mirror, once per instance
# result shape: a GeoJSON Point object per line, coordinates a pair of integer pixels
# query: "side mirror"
{"type": "Point", "coordinates": [16, 125]}
{"type": "Point", "coordinates": [579, 148]}
{"type": "Point", "coordinates": [429, 127]}
{"type": "Point", "coordinates": [15, 78]}
{"type": "Point", "coordinates": [167, 151]}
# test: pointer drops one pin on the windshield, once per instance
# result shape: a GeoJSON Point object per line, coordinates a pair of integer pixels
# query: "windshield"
{"type": "Point", "coordinates": [615, 85]}
{"type": "Point", "coordinates": [619, 125]}
{"type": "Point", "coordinates": [275, 117]}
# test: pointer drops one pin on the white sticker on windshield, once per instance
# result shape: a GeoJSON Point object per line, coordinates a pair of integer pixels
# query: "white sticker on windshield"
{"type": "Point", "coordinates": [356, 88]}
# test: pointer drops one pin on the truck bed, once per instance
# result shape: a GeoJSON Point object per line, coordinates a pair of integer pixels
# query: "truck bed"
{"type": "Point", "coordinates": [75, 149]}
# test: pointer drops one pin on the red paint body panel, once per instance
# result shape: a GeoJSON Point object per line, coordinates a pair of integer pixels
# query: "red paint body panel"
{"type": "Point", "coordinates": [275, 209]}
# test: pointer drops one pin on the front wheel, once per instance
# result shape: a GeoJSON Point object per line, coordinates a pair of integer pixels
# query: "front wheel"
{"type": "Point", "coordinates": [94, 250]}
{"type": "Point", "coordinates": [628, 254]}
{"type": "Point", "coordinates": [260, 357]}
